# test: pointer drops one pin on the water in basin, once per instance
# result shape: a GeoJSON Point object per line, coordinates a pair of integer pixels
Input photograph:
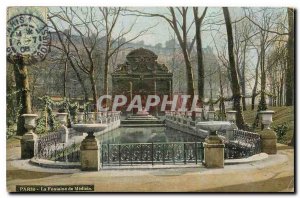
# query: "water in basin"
{"type": "Point", "coordinates": [146, 135]}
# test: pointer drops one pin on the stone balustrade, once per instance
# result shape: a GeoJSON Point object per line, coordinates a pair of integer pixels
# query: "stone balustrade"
{"type": "Point", "coordinates": [182, 121]}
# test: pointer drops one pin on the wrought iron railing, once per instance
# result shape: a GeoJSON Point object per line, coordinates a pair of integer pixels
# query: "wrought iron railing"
{"type": "Point", "coordinates": [152, 153]}
{"type": "Point", "coordinates": [243, 144]}
{"type": "Point", "coordinates": [245, 136]}
{"type": "Point", "coordinates": [49, 138]}
{"type": "Point", "coordinates": [59, 152]}
{"type": "Point", "coordinates": [50, 146]}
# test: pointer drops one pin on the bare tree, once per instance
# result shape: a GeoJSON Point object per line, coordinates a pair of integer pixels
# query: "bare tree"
{"type": "Point", "coordinates": [233, 71]}
{"type": "Point", "coordinates": [114, 44]}
{"type": "Point", "coordinates": [64, 38]}
{"type": "Point", "coordinates": [83, 39]}
{"type": "Point", "coordinates": [198, 24]}
{"type": "Point", "coordinates": [242, 34]}
{"type": "Point", "coordinates": [181, 28]}
{"type": "Point", "coordinates": [23, 93]}
{"type": "Point", "coordinates": [291, 61]}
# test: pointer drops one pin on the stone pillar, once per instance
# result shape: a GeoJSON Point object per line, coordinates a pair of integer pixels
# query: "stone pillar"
{"type": "Point", "coordinates": [268, 141]}
{"type": "Point", "coordinates": [198, 114]}
{"type": "Point", "coordinates": [99, 116]}
{"type": "Point", "coordinates": [89, 153]}
{"type": "Point", "coordinates": [29, 139]}
{"type": "Point", "coordinates": [267, 135]}
{"type": "Point", "coordinates": [211, 115]}
{"type": "Point", "coordinates": [62, 118]}
{"type": "Point", "coordinates": [214, 151]}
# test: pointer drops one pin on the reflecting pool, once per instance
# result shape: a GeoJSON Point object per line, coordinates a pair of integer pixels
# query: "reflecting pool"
{"type": "Point", "coordinates": [146, 135]}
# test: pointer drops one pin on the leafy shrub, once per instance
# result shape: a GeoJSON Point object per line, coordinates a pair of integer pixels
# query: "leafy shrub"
{"type": "Point", "coordinates": [10, 131]}
{"type": "Point", "coordinates": [281, 130]}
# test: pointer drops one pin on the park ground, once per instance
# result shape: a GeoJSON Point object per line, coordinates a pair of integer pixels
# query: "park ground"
{"type": "Point", "coordinates": [274, 174]}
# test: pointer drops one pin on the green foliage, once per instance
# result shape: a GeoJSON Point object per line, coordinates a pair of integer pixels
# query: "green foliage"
{"type": "Point", "coordinates": [10, 131]}
{"type": "Point", "coordinates": [12, 109]}
{"type": "Point", "coordinates": [262, 106]}
{"type": "Point", "coordinates": [47, 118]}
{"type": "Point", "coordinates": [281, 130]}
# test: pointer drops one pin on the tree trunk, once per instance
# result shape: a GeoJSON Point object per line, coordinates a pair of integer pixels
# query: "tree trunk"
{"type": "Point", "coordinates": [65, 78]}
{"type": "Point", "coordinates": [183, 44]}
{"type": "Point", "coordinates": [23, 94]}
{"type": "Point", "coordinates": [222, 104]}
{"type": "Point", "coordinates": [262, 102]}
{"type": "Point", "coordinates": [233, 71]}
{"type": "Point", "coordinates": [94, 90]}
{"type": "Point", "coordinates": [86, 95]}
{"type": "Point", "coordinates": [255, 83]}
{"type": "Point", "coordinates": [106, 65]}
{"type": "Point", "coordinates": [243, 78]}
{"type": "Point", "coordinates": [280, 92]}
{"type": "Point", "coordinates": [190, 76]}
{"type": "Point", "coordinates": [290, 59]}
{"type": "Point", "coordinates": [198, 23]}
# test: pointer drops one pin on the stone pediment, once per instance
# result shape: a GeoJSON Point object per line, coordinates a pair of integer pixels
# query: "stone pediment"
{"type": "Point", "coordinates": [141, 61]}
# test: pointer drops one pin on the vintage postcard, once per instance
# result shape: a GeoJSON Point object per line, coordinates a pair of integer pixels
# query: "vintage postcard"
{"type": "Point", "coordinates": [150, 99]}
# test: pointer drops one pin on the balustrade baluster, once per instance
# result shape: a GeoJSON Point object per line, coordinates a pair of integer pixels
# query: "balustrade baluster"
{"type": "Point", "coordinates": [184, 153]}
{"type": "Point", "coordinates": [55, 151]}
{"type": "Point", "coordinates": [196, 153]}
{"type": "Point", "coordinates": [173, 153]}
{"type": "Point", "coordinates": [108, 153]}
{"type": "Point", "coordinates": [141, 153]}
{"type": "Point", "coordinates": [163, 153]}
{"type": "Point", "coordinates": [152, 153]}
{"type": "Point", "coordinates": [119, 148]}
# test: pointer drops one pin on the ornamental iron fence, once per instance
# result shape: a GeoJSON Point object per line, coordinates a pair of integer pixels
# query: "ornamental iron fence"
{"type": "Point", "coordinates": [56, 151]}
{"type": "Point", "coordinates": [243, 144]}
{"type": "Point", "coordinates": [152, 153]}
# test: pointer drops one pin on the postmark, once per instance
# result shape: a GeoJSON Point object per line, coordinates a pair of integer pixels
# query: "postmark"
{"type": "Point", "coordinates": [28, 39]}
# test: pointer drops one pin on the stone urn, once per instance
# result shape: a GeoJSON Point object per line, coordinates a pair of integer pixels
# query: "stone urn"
{"type": "Point", "coordinates": [91, 117]}
{"type": "Point", "coordinates": [266, 118]}
{"type": "Point", "coordinates": [62, 118]}
{"type": "Point", "coordinates": [29, 121]}
{"type": "Point", "coordinates": [29, 139]}
{"type": "Point", "coordinates": [80, 117]}
{"type": "Point", "coordinates": [231, 116]}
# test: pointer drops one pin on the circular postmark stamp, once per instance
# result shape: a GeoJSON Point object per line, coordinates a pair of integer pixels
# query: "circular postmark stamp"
{"type": "Point", "coordinates": [28, 39]}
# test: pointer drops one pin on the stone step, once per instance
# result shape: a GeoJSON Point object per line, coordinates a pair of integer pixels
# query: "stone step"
{"type": "Point", "coordinates": [142, 125]}
{"type": "Point", "coordinates": [141, 122]}
{"type": "Point", "coordinates": [130, 118]}
{"type": "Point", "coordinates": [144, 117]}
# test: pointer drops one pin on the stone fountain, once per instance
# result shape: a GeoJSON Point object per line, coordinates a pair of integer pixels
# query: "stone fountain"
{"type": "Point", "coordinates": [89, 149]}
